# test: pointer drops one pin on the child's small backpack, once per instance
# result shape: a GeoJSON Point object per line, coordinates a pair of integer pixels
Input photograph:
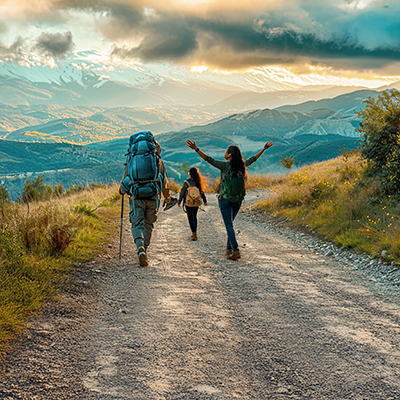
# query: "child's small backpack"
{"type": "Point", "coordinates": [232, 188]}
{"type": "Point", "coordinates": [193, 197]}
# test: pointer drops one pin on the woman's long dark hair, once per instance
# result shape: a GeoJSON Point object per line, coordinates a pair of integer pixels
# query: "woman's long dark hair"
{"type": "Point", "coordinates": [237, 162]}
{"type": "Point", "coordinates": [199, 180]}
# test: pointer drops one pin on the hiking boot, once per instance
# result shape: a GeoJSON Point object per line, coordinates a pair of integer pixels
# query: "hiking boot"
{"type": "Point", "coordinates": [143, 261]}
{"type": "Point", "coordinates": [228, 252]}
{"type": "Point", "coordinates": [234, 256]}
{"type": "Point", "coordinates": [194, 236]}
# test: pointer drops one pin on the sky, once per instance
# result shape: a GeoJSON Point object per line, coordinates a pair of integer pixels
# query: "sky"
{"type": "Point", "coordinates": [339, 41]}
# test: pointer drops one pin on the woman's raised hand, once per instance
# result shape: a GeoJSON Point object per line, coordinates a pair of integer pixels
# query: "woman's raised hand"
{"type": "Point", "coordinates": [191, 144]}
{"type": "Point", "coordinates": [267, 145]}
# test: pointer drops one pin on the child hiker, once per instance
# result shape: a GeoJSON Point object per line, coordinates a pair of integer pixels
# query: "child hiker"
{"type": "Point", "coordinates": [192, 194]}
{"type": "Point", "coordinates": [232, 188]}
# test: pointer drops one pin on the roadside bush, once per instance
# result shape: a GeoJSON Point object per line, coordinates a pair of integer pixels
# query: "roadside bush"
{"type": "Point", "coordinates": [380, 127]}
{"type": "Point", "coordinates": [85, 209]}
{"type": "Point", "coordinates": [320, 190]}
{"type": "Point", "coordinates": [289, 198]}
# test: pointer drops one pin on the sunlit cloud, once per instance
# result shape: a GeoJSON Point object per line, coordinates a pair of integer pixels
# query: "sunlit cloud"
{"type": "Point", "coordinates": [334, 38]}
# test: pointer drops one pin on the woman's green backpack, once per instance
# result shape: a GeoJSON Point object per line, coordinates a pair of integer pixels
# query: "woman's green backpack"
{"type": "Point", "coordinates": [232, 187]}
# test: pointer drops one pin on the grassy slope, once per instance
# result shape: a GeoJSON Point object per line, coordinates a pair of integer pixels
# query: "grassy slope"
{"type": "Point", "coordinates": [39, 249]}
{"type": "Point", "coordinates": [336, 200]}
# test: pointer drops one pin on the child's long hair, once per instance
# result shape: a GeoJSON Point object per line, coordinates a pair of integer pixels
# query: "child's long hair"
{"type": "Point", "coordinates": [199, 180]}
{"type": "Point", "coordinates": [237, 162]}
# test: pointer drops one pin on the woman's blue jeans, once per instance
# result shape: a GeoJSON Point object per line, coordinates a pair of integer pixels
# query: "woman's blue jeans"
{"type": "Point", "coordinates": [229, 211]}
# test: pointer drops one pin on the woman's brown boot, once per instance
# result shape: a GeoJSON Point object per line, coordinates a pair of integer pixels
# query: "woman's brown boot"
{"type": "Point", "coordinates": [234, 256]}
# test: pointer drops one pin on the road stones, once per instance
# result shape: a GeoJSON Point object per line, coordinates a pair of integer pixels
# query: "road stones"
{"type": "Point", "coordinates": [381, 269]}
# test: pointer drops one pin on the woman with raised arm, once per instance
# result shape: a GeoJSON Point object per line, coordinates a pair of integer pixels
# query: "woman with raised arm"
{"type": "Point", "coordinates": [232, 188]}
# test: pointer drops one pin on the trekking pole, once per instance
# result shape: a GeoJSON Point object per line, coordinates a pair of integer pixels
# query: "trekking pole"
{"type": "Point", "coordinates": [120, 234]}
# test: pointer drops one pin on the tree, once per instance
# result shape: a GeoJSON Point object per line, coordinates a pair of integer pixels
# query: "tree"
{"type": "Point", "coordinates": [28, 192]}
{"type": "Point", "coordinates": [34, 191]}
{"type": "Point", "coordinates": [4, 196]}
{"type": "Point", "coordinates": [380, 127]}
{"type": "Point", "coordinates": [59, 189]}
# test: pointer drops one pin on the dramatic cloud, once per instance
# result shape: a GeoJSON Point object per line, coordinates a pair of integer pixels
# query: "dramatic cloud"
{"type": "Point", "coordinates": [15, 50]}
{"type": "Point", "coordinates": [353, 34]}
{"type": "Point", "coordinates": [164, 41]}
{"type": "Point", "coordinates": [358, 34]}
{"type": "Point", "coordinates": [56, 45]}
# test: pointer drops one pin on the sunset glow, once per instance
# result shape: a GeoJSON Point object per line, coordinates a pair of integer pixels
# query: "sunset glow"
{"type": "Point", "coordinates": [293, 41]}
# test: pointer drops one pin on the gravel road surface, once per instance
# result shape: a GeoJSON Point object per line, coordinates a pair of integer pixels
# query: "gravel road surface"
{"type": "Point", "coordinates": [291, 320]}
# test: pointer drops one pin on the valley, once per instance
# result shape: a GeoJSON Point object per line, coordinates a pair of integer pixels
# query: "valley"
{"type": "Point", "coordinates": [84, 140]}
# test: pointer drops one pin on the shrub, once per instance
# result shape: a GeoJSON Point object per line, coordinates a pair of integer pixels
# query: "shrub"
{"type": "Point", "coordinates": [287, 161]}
{"type": "Point", "coordinates": [290, 198]}
{"type": "Point", "coordinates": [320, 190]}
{"type": "Point", "coordinates": [380, 126]}
{"type": "Point", "coordinates": [85, 209]}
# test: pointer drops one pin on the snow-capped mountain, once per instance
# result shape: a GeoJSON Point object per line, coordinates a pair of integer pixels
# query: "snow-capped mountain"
{"type": "Point", "coordinates": [93, 79]}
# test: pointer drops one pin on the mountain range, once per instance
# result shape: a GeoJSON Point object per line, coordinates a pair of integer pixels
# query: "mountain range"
{"type": "Point", "coordinates": [90, 79]}
{"type": "Point", "coordinates": [71, 122]}
{"type": "Point", "coordinates": [309, 136]}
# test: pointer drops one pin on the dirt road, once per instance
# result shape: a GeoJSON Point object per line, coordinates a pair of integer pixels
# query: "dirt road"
{"type": "Point", "coordinates": [282, 323]}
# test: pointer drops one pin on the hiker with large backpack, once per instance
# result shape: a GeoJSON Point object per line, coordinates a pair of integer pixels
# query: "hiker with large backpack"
{"type": "Point", "coordinates": [144, 180]}
{"type": "Point", "coordinates": [192, 195]}
{"type": "Point", "coordinates": [232, 188]}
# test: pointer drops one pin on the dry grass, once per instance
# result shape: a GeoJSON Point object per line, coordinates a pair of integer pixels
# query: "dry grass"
{"type": "Point", "coordinates": [262, 182]}
{"type": "Point", "coordinates": [174, 186]}
{"type": "Point", "coordinates": [40, 242]}
{"type": "Point", "coordinates": [336, 199]}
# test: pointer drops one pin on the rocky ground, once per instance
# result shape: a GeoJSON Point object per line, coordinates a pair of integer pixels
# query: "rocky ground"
{"type": "Point", "coordinates": [295, 318]}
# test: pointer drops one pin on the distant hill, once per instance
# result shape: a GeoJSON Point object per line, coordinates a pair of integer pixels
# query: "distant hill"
{"type": "Point", "coordinates": [346, 103]}
{"type": "Point", "coordinates": [80, 125]}
{"type": "Point", "coordinates": [22, 157]}
{"type": "Point", "coordinates": [87, 79]}
{"type": "Point", "coordinates": [246, 101]}
{"type": "Point", "coordinates": [14, 117]}
{"type": "Point", "coordinates": [77, 130]}
{"type": "Point", "coordinates": [92, 93]}
{"type": "Point", "coordinates": [267, 124]}
{"type": "Point", "coordinates": [58, 163]}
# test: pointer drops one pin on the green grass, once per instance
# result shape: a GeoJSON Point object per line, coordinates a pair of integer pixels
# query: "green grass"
{"type": "Point", "coordinates": [40, 245]}
{"type": "Point", "coordinates": [336, 199]}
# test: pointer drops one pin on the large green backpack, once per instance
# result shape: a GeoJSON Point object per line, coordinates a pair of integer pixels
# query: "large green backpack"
{"type": "Point", "coordinates": [232, 187]}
